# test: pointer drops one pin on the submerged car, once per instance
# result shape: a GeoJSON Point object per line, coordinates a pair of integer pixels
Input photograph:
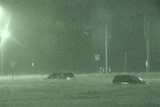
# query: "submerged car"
{"type": "Point", "coordinates": [61, 76]}
{"type": "Point", "coordinates": [128, 79]}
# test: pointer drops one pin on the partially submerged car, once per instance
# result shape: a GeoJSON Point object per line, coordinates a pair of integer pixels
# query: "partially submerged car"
{"type": "Point", "coordinates": [128, 79]}
{"type": "Point", "coordinates": [61, 76]}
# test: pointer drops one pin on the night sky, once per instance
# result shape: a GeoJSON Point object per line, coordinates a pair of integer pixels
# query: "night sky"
{"type": "Point", "coordinates": [65, 35]}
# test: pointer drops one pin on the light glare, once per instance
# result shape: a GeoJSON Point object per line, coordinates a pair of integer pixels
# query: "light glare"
{"type": "Point", "coordinates": [1, 11]}
{"type": "Point", "coordinates": [5, 34]}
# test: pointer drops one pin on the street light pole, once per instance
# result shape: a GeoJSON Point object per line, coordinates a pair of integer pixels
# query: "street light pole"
{"type": "Point", "coordinates": [4, 36]}
{"type": "Point", "coordinates": [2, 66]}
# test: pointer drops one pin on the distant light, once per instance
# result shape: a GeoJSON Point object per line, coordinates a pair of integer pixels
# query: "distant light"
{"type": "Point", "coordinates": [32, 64]}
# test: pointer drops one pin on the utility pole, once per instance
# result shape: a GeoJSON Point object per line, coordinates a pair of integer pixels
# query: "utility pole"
{"type": "Point", "coordinates": [147, 38]}
{"type": "Point", "coordinates": [106, 48]}
{"type": "Point", "coordinates": [125, 61]}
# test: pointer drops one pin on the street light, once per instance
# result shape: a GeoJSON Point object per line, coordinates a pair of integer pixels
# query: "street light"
{"type": "Point", "coordinates": [4, 34]}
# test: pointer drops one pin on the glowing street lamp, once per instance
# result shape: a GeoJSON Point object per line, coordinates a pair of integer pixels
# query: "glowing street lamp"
{"type": "Point", "coordinates": [5, 34]}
